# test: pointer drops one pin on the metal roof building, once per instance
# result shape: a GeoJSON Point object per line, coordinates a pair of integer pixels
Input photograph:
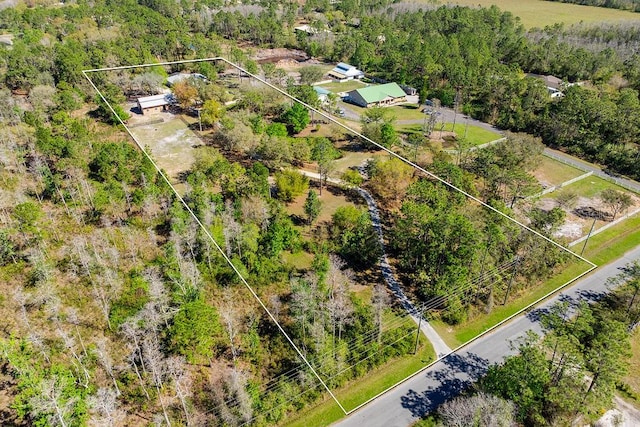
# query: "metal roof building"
{"type": "Point", "coordinates": [386, 94]}
{"type": "Point", "coordinates": [344, 72]}
{"type": "Point", "coordinates": [154, 102]}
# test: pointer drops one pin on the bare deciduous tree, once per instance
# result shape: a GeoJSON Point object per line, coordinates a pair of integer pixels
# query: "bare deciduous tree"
{"type": "Point", "coordinates": [105, 408]}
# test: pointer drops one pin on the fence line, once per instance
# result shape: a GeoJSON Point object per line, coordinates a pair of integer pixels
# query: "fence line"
{"type": "Point", "coordinates": [559, 186]}
{"type": "Point", "coordinates": [627, 184]}
{"type": "Point", "coordinates": [604, 227]}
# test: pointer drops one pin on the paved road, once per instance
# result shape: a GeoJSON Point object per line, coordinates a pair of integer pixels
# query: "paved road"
{"type": "Point", "coordinates": [439, 346]}
{"type": "Point", "coordinates": [423, 393]}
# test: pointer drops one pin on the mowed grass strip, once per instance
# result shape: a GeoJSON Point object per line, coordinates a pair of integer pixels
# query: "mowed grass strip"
{"type": "Point", "coordinates": [475, 135]}
{"type": "Point", "coordinates": [633, 379]}
{"type": "Point", "coordinates": [553, 172]}
{"type": "Point", "coordinates": [350, 85]}
{"type": "Point", "coordinates": [538, 13]}
{"type": "Point", "coordinates": [601, 249]}
{"type": "Point", "coordinates": [358, 391]}
{"type": "Point", "coordinates": [589, 187]}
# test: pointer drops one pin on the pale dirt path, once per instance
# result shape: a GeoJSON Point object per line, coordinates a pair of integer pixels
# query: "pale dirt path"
{"type": "Point", "coordinates": [439, 346]}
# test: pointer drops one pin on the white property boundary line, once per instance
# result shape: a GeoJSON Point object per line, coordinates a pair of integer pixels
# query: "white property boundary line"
{"type": "Point", "coordinates": [392, 153]}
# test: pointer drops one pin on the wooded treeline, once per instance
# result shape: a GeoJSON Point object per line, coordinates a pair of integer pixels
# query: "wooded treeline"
{"type": "Point", "coordinates": [479, 54]}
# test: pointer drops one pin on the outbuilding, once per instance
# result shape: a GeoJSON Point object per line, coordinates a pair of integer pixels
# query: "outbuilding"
{"type": "Point", "coordinates": [152, 103]}
{"type": "Point", "coordinates": [343, 72]}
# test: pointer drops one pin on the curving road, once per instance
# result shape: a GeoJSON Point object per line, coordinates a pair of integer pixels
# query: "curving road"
{"type": "Point", "coordinates": [454, 373]}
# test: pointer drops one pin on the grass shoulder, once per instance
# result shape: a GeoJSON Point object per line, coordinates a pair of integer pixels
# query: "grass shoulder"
{"type": "Point", "coordinates": [358, 391]}
{"type": "Point", "coordinates": [602, 248]}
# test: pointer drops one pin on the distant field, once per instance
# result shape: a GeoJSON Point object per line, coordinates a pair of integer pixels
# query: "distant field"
{"type": "Point", "coordinates": [539, 13]}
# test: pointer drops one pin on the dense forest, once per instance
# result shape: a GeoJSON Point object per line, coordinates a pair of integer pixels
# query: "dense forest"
{"type": "Point", "coordinates": [119, 307]}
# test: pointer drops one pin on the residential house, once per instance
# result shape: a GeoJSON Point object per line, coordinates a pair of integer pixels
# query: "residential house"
{"type": "Point", "coordinates": [380, 95]}
{"type": "Point", "coordinates": [343, 72]}
{"type": "Point", "coordinates": [554, 84]}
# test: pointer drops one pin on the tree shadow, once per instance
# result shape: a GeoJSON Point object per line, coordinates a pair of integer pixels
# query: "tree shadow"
{"type": "Point", "coordinates": [458, 375]}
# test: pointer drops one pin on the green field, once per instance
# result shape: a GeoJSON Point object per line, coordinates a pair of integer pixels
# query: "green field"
{"type": "Point", "coordinates": [589, 187]}
{"type": "Point", "coordinates": [475, 135]}
{"type": "Point", "coordinates": [539, 13]}
{"type": "Point", "coordinates": [632, 378]}
{"type": "Point", "coordinates": [336, 87]}
{"type": "Point", "coordinates": [551, 172]}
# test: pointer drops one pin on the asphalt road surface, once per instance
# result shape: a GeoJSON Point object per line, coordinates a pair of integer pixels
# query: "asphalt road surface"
{"type": "Point", "coordinates": [423, 393]}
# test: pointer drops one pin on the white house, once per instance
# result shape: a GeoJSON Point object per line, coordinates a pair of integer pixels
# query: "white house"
{"type": "Point", "coordinates": [343, 72]}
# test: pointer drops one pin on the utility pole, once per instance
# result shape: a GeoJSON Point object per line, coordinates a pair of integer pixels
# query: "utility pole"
{"type": "Point", "coordinates": [421, 313]}
{"type": "Point", "coordinates": [588, 235]}
{"type": "Point", "coordinates": [513, 275]}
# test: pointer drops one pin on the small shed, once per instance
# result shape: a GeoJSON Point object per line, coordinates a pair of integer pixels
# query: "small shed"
{"type": "Point", "coordinates": [322, 93]}
{"type": "Point", "coordinates": [154, 103]}
{"type": "Point", "coordinates": [343, 72]}
{"type": "Point", "coordinates": [380, 95]}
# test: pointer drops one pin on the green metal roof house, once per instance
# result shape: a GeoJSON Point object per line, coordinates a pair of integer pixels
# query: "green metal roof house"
{"type": "Point", "coordinates": [386, 94]}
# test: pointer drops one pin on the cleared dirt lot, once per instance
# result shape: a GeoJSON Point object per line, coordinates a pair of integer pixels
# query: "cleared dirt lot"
{"type": "Point", "coordinates": [168, 139]}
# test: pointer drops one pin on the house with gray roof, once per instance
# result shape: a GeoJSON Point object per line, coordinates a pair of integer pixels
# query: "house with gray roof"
{"type": "Point", "coordinates": [154, 103]}
{"type": "Point", "coordinates": [379, 95]}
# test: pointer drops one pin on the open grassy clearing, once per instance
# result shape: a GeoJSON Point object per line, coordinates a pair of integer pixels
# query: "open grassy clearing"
{"type": "Point", "coordinates": [352, 158]}
{"type": "Point", "coordinates": [171, 142]}
{"type": "Point", "coordinates": [475, 135]}
{"type": "Point", "coordinates": [602, 249]}
{"type": "Point", "coordinates": [363, 389]}
{"type": "Point", "coordinates": [337, 87]}
{"type": "Point", "coordinates": [332, 198]}
{"type": "Point", "coordinates": [590, 187]}
{"type": "Point", "coordinates": [406, 112]}
{"type": "Point", "coordinates": [551, 172]}
{"type": "Point", "coordinates": [632, 379]}
{"type": "Point", "coordinates": [539, 13]}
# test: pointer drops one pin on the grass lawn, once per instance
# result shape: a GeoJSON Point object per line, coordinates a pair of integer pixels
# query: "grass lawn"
{"type": "Point", "coordinates": [360, 390]}
{"type": "Point", "coordinates": [406, 112]}
{"type": "Point", "coordinates": [551, 172]}
{"type": "Point", "coordinates": [538, 13]}
{"type": "Point", "coordinates": [475, 135]}
{"type": "Point", "coordinates": [590, 187]}
{"type": "Point", "coordinates": [633, 379]}
{"type": "Point", "coordinates": [336, 87]}
{"type": "Point", "coordinates": [300, 260]}
{"type": "Point", "coordinates": [354, 158]}
{"type": "Point", "coordinates": [602, 249]}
